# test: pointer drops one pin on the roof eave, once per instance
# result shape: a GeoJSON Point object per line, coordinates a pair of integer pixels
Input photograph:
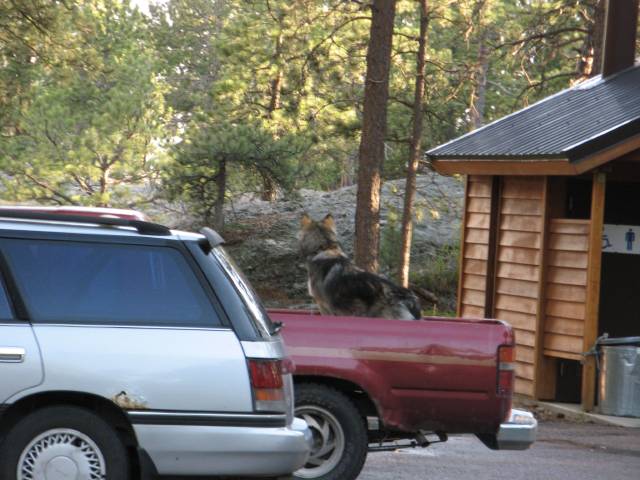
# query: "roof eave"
{"type": "Point", "coordinates": [560, 165]}
{"type": "Point", "coordinates": [503, 166]}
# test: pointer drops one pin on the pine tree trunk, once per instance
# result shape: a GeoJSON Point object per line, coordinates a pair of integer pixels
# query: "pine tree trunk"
{"type": "Point", "coordinates": [479, 96]}
{"type": "Point", "coordinates": [415, 151]}
{"type": "Point", "coordinates": [347, 174]}
{"type": "Point", "coordinates": [374, 126]}
{"type": "Point", "coordinates": [598, 36]}
{"type": "Point", "coordinates": [103, 182]}
{"type": "Point", "coordinates": [269, 189]}
{"type": "Point", "coordinates": [221, 184]}
{"type": "Point", "coordinates": [276, 89]}
{"type": "Point", "coordinates": [590, 61]}
{"type": "Point", "coordinates": [269, 186]}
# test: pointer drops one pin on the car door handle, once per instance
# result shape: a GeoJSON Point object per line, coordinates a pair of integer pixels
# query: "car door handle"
{"type": "Point", "coordinates": [12, 354]}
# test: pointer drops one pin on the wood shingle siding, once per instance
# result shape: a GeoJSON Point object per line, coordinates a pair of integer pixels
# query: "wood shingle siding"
{"type": "Point", "coordinates": [521, 265]}
{"type": "Point", "coordinates": [566, 280]}
{"type": "Point", "coordinates": [518, 268]}
{"type": "Point", "coordinates": [475, 247]}
{"type": "Point", "coordinates": [539, 271]}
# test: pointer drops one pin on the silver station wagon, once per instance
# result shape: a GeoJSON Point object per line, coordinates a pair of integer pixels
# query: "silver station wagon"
{"type": "Point", "coordinates": [128, 349]}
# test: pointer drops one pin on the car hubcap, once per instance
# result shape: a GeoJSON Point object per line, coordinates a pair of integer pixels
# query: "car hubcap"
{"type": "Point", "coordinates": [61, 454]}
{"type": "Point", "coordinates": [328, 441]}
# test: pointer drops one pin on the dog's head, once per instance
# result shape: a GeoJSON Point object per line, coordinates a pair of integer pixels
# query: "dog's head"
{"type": "Point", "coordinates": [315, 236]}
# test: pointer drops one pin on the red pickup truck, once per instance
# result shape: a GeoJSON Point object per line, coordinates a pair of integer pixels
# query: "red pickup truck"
{"type": "Point", "coordinates": [363, 382]}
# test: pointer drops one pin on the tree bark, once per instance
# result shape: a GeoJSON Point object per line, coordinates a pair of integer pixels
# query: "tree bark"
{"type": "Point", "coordinates": [269, 189]}
{"type": "Point", "coordinates": [597, 37]}
{"type": "Point", "coordinates": [590, 60]}
{"type": "Point", "coordinates": [415, 150]}
{"type": "Point", "coordinates": [347, 173]}
{"type": "Point", "coordinates": [103, 181]}
{"type": "Point", "coordinates": [374, 126]}
{"type": "Point", "coordinates": [480, 29]}
{"type": "Point", "coordinates": [479, 95]}
{"type": "Point", "coordinates": [275, 85]}
{"type": "Point", "coordinates": [276, 89]}
{"type": "Point", "coordinates": [221, 184]}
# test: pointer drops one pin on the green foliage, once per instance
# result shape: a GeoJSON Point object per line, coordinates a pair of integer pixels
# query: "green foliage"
{"type": "Point", "coordinates": [203, 99]}
{"type": "Point", "coordinates": [390, 242]}
{"type": "Point", "coordinates": [439, 275]}
{"type": "Point", "coordinates": [92, 94]}
{"type": "Point", "coordinates": [26, 43]}
{"type": "Point", "coordinates": [210, 155]}
{"type": "Point", "coordinates": [93, 118]}
{"type": "Point", "coordinates": [185, 36]}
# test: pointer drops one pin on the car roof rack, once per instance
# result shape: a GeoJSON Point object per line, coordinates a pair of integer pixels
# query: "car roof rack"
{"type": "Point", "coordinates": [143, 227]}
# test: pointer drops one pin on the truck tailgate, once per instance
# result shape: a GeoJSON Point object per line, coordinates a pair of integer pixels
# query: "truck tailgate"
{"type": "Point", "coordinates": [432, 374]}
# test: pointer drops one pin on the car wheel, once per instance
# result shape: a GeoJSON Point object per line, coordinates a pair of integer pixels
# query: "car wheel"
{"type": "Point", "coordinates": [56, 443]}
{"type": "Point", "coordinates": [339, 434]}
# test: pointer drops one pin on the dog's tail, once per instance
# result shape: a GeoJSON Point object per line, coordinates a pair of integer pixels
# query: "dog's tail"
{"type": "Point", "coordinates": [413, 305]}
{"type": "Point", "coordinates": [409, 300]}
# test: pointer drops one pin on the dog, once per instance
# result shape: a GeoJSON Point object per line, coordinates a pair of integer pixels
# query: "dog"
{"type": "Point", "coordinates": [341, 288]}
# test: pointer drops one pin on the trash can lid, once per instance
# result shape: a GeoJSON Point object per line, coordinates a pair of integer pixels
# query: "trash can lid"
{"type": "Point", "coordinates": [620, 341]}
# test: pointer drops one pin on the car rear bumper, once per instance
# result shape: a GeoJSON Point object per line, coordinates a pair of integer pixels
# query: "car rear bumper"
{"type": "Point", "coordinates": [213, 450]}
{"type": "Point", "coordinates": [517, 433]}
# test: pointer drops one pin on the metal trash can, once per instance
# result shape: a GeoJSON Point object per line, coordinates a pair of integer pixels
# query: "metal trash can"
{"type": "Point", "coordinates": [620, 376]}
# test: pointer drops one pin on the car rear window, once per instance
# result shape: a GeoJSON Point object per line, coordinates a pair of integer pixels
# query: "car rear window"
{"type": "Point", "coordinates": [252, 302]}
{"type": "Point", "coordinates": [76, 282]}
{"type": "Point", "coordinates": [5, 309]}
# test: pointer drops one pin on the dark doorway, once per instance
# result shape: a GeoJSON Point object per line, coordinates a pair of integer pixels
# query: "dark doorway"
{"type": "Point", "coordinates": [568, 381]}
{"type": "Point", "coordinates": [620, 281]}
{"type": "Point", "coordinates": [578, 198]}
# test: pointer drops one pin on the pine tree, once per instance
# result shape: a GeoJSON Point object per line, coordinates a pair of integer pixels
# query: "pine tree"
{"type": "Point", "coordinates": [372, 141]}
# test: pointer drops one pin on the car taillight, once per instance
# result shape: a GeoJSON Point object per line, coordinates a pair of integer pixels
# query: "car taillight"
{"type": "Point", "coordinates": [506, 369]}
{"type": "Point", "coordinates": [268, 385]}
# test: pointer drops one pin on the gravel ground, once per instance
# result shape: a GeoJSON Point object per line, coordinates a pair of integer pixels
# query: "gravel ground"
{"type": "Point", "coordinates": [563, 451]}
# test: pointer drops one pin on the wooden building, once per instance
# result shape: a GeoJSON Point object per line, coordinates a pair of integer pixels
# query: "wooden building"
{"type": "Point", "coordinates": [551, 229]}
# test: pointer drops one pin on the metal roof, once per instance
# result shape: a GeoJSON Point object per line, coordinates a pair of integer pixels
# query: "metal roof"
{"type": "Point", "coordinates": [575, 122]}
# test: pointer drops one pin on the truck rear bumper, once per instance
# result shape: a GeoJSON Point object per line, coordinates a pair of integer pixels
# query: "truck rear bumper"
{"type": "Point", "coordinates": [517, 433]}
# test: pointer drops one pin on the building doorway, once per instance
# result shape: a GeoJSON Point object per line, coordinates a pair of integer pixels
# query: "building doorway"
{"type": "Point", "coordinates": [619, 314]}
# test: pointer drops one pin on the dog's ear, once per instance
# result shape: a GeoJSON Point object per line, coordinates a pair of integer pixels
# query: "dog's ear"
{"type": "Point", "coordinates": [329, 222]}
{"type": "Point", "coordinates": [305, 221]}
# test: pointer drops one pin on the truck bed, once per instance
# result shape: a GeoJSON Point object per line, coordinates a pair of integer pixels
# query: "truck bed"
{"type": "Point", "coordinates": [435, 374]}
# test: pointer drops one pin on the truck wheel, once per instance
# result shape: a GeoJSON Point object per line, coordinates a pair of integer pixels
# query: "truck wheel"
{"type": "Point", "coordinates": [63, 442]}
{"type": "Point", "coordinates": [339, 434]}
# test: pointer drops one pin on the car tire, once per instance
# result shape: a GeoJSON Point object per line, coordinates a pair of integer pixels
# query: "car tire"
{"type": "Point", "coordinates": [70, 440]}
{"type": "Point", "coordinates": [339, 433]}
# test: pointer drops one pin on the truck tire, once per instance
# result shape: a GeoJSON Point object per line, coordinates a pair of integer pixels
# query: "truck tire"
{"type": "Point", "coordinates": [71, 441]}
{"type": "Point", "coordinates": [339, 433]}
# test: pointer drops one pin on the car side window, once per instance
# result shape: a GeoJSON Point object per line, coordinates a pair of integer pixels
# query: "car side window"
{"type": "Point", "coordinates": [5, 307]}
{"type": "Point", "coordinates": [76, 282]}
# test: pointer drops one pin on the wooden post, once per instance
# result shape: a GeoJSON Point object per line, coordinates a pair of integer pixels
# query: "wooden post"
{"type": "Point", "coordinates": [463, 233]}
{"type": "Point", "coordinates": [492, 257]}
{"type": "Point", "coordinates": [543, 368]}
{"type": "Point", "coordinates": [546, 368]}
{"type": "Point", "coordinates": [593, 289]}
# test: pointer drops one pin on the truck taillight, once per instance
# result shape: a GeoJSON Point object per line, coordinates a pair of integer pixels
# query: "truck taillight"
{"type": "Point", "coordinates": [268, 385]}
{"type": "Point", "coordinates": [506, 369]}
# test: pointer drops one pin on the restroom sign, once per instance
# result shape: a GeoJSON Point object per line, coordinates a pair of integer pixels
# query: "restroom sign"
{"type": "Point", "coordinates": [621, 239]}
